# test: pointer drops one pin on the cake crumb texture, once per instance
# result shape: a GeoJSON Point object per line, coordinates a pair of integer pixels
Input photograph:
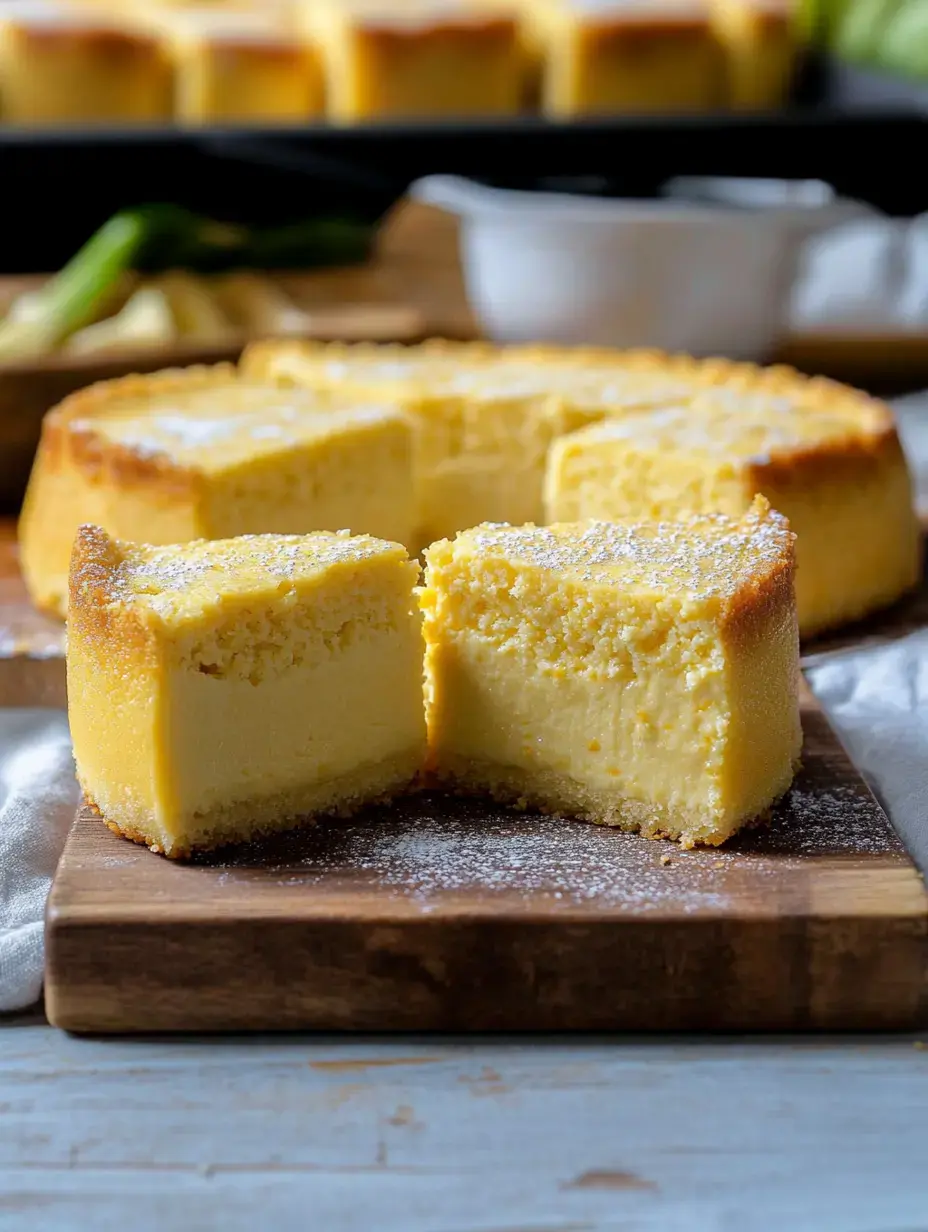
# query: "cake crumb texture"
{"type": "Point", "coordinates": [641, 675]}
{"type": "Point", "coordinates": [224, 689]}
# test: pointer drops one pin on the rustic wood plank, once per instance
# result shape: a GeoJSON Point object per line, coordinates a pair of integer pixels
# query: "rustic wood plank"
{"type": "Point", "coordinates": [456, 915]}
{"type": "Point", "coordinates": [482, 1135]}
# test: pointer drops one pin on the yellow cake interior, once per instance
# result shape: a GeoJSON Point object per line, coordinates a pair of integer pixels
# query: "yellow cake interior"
{"type": "Point", "coordinates": [218, 690]}
{"type": "Point", "coordinates": [640, 675]}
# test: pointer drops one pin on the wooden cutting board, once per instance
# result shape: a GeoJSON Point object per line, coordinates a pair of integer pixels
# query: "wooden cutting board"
{"type": "Point", "coordinates": [441, 914]}
{"type": "Point", "coordinates": [438, 914]}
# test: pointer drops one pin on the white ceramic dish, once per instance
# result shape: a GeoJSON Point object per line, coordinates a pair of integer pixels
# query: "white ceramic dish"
{"type": "Point", "coordinates": [711, 275]}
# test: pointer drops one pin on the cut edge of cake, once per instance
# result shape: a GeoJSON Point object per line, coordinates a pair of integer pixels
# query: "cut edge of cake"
{"type": "Point", "coordinates": [130, 658]}
{"type": "Point", "coordinates": [759, 640]}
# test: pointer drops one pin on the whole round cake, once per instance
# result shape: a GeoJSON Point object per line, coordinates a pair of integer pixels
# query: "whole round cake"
{"type": "Point", "coordinates": [418, 443]}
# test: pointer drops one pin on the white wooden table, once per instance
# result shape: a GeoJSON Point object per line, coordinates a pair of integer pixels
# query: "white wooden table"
{"type": "Point", "coordinates": [452, 1135]}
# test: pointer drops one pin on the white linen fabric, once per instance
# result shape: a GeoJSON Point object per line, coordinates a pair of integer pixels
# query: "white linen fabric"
{"type": "Point", "coordinates": [38, 796]}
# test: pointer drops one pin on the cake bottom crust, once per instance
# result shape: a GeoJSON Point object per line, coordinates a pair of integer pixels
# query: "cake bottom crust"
{"type": "Point", "coordinates": [545, 791]}
{"type": "Point", "coordinates": [243, 821]}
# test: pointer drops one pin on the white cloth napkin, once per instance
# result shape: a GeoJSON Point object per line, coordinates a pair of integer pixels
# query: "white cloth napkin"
{"type": "Point", "coordinates": [877, 701]}
{"type": "Point", "coordinates": [869, 275]}
{"type": "Point", "coordinates": [38, 796]}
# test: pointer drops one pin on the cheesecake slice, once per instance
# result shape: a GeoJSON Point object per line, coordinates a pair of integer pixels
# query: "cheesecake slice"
{"type": "Point", "coordinates": [640, 674]}
{"type": "Point", "coordinates": [242, 66]}
{"type": "Point", "coordinates": [221, 690]}
{"type": "Point", "coordinates": [832, 465]}
{"type": "Point", "coordinates": [65, 64]}
{"type": "Point", "coordinates": [201, 454]}
{"type": "Point", "coordinates": [421, 59]}
{"type": "Point", "coordinates": [602, 57]}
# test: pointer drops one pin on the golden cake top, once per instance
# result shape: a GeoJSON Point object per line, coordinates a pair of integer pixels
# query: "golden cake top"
{"type": "Point", "coordinates": [728, 424]}
{"type": "Point", "coordinates": [639, 10]}
{"type": "Point", "coordinates": [643, 17]}
{"type": "Point", "coordinates": [49, 20]}
{"type": "Point", "coordinates": [368, 363]}
{"type": "Point", "coordinates": [181, 582]}
{"type": "Point", "coordinates": [708, 556]}
{"type": "Point", "coordinates": [416, 16]}
{"type": "Point", "coordinates": [602, 379]}
{"type": "Point", "coordinates": [602, 387]}
{"type": "Point", "coordinates": [209, 424]}
{"type": "Point", "coordinates": [587, 377]}
{"type": "Point", "coordinates": [216, 24]}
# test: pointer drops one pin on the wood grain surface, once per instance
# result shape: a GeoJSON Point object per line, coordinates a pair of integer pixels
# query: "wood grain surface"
{"type": "Point", "coordinates": [431, 1134]}
{"type": "Point", "coordinates": [437, 914]}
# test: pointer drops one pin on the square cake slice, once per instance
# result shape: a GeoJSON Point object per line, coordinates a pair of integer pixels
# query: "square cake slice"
{"type": "Point", "coordinates": [422, 59]}
{"type": "Point", "coordinates": [235, 65]}
{"type": "Point", "coordinates": [201, 454]}
{"type": "Point", "coordinates": [607, 56]}
{"type": "Point", "coordinates": [835, 470]}
{"type": "Point", "coordinates": [224, 689]}
{"type": "Point", "coordinates": [640, 674]}
{"type": "Point", "coordinates": [72, 64]}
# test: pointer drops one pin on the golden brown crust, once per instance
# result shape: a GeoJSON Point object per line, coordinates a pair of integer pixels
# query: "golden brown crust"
{"type": "Point", "coordinates": [759, 602]}
{"type": "Point", "coordinates": [188, 851]}
{"type": "Point", "coordinates": [842, 459]}
{"type": "Point", "coordinates": [234, 47]}
{"type": "Point", "coordinates": [95, 559]}
{"type": "Point", "coordinates": [630, 28]}
{"type": "Point", "coordinates": [91, 33]}
{"type": "Point", "coordinates": [62, 438]}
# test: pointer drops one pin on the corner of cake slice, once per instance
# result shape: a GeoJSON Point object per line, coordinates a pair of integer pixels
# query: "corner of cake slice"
{"type": "Point", "coordinates": [639, 674]}
{"type": "Point", "coordinates": [224, 689]}
{"type": "Point", "coordinates": [199, 453]}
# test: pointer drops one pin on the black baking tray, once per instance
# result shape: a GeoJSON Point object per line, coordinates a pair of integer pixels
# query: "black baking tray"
{"type": "Point", "coordinates": [59, 186]}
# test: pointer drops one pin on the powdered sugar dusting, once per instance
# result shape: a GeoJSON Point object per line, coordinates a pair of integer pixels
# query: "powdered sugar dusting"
{"type": "Point", "coordinates": [709, 555]}
{"type": "Point", "coordinates": [432, 850]}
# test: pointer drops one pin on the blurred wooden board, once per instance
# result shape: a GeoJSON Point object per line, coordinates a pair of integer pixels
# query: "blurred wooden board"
{"type": "Point", "coordinates": [883, 363]}
{"type": "Point", "coordinates": [31, 645]}
{"type": "Point", "coordinates": [441, 914]}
